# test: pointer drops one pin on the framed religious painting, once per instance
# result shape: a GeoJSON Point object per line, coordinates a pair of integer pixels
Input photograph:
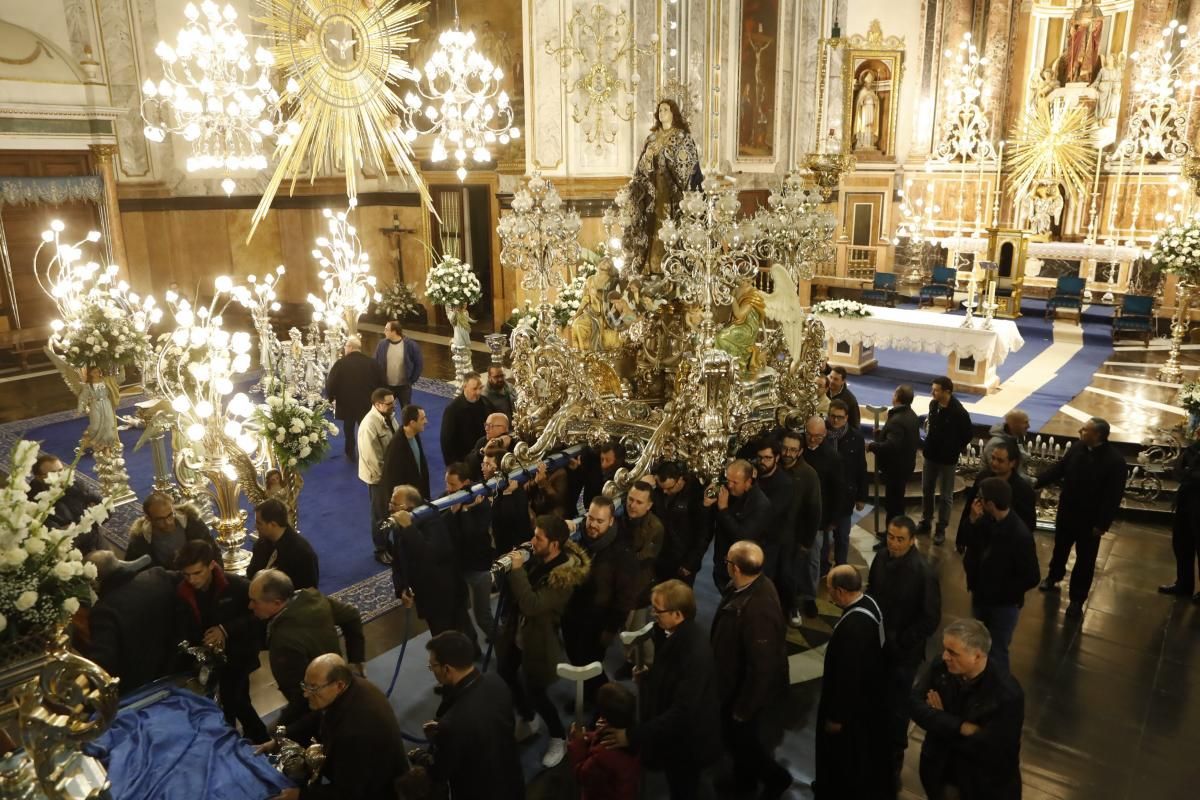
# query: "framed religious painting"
{"type": "Point", "coordinates": [871, 73]}
{"type": "Point", "coordinates": [758, 48]}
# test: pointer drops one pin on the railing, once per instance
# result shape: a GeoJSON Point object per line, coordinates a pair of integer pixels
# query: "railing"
{"type": "Point", "coordinates": [860, 262]}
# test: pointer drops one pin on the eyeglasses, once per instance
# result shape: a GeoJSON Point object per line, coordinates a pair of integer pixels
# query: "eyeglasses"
{"type": "Point", "coordinates": [433, 666]}
{"type": "Point", "coordinates": [837, 416]}
{"type": "Point", "coordinates": [162, 518]}
{"type": "Point", "coordinates": [310, 689]}
{"type": "Point", "coordinates": [660, 611]}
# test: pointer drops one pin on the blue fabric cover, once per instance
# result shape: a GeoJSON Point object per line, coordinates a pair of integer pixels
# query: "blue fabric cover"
{"type": "Point", "coordinates": [179, 748]}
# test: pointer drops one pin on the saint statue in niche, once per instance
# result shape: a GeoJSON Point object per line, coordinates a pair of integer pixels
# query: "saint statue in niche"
{"type": "Point", "coordinates": [668, 166]}
{"type": "Point", "coordinates": [866, 114]}
{"type": "Point", "coordinates": [1083, 42]}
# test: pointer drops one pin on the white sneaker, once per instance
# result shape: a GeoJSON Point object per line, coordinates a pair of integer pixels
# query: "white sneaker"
{"type": "Point", "coordinates": [797, 620]}
{"type": "Point", "coordinates": [526, 728]}
{"type": "Point", "coordinates": [554, 753]}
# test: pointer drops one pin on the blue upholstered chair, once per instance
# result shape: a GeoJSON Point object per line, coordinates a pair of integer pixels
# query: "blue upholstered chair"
{"type": "Point", "coordinates": [882, 291]}
{"type": "Point", "coordinates": [1135, 315]}
{"type": "Point", "coordinates": [941, 285]}
{"type": "Point", "coordinates": [1068, 295]}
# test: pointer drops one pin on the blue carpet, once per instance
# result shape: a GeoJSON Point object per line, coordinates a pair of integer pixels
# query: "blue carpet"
{"type": "Point", "coordinates": [334, 509]}
{"type": "Point", "coordinates": [897, 367]}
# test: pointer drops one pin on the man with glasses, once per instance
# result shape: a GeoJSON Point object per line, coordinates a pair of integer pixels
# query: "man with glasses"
{"type": "Point", "coordinates": [496, 436]}
{"type": "Point", "coordinates": [375, 433]}
{"type": "Point", "coordinates": [822, 457]}
{"type": "Point", "coordinates": [838, 390]}
{"type": "Point", "coordinates": [852, 449]}
{"type": "Point", "coordinates": [355, 724]}
{"type": "Point", "coordinates": [1092, 474]}
{"type": "Point", "coordinates": [301, 625]}
{"type": "Point", "coordinates": [808, 520]}
{"type": "Point", "coordinates": [679, 729]}
{"type": "Point", "coordinates": [164, 530]}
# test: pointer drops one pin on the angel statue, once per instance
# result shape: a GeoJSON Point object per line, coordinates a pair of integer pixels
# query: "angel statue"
{"type": "Point", "coordinates": [460, 320]}
{"type": "Point", "coordinates": [668, 166]}
{"type": "Point", "coordinates": [98, 399]}
{"type": "Point", "coordinates": [1043, 208]}
{"type": "Point", "coordinates": [783, 306]}
{"type": "Point", "coordinates": [739, 336]}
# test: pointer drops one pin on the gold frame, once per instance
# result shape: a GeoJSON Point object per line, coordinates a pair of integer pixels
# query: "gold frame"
{"type": "Point", "coordinates": [874, 46]}
{"type": "Point", "coordinates": [1009, 307]}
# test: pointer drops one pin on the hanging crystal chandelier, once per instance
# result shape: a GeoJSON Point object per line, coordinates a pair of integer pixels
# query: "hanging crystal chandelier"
{"type": "Point", "coordinates": [459, 102]}
{"type": "Point", "coordinates": [214, 93]}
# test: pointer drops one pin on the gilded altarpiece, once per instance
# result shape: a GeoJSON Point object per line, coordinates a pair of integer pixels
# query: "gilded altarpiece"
{"type": "Point", "coordinates": [872, 70]}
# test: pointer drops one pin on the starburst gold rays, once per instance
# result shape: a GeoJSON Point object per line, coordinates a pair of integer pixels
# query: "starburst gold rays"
{"type": "Point", "coordinates": [341, 60]}
{"type": "Point", "coordinates": [1055, 144]}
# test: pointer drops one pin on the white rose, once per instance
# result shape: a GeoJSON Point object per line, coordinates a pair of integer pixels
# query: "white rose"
{"type": "Point", "coordinates": [63, 571]}
{"type": "Point", "coordinates": [291, 462]}
{"type": "Point", "coordinates": [70, 605]}
{"type": "Point", "coordinates": [305, 451]}
{"type": "Point", "coordinates": [279, 437]}
{"type": "Point", "coordinates": [35, 546]}
{"type": "Point", "coordinates": [89, 571]}
{"type": "Point", "coordinates": [26, 601]}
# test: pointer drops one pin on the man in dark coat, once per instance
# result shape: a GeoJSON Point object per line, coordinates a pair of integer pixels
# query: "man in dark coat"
{"type": "Point", "coordinates": [499, 392]}
{"type": "Point", "coordinates": [808, 522]}
{"type": "Point", "coordinates": [281, 547]}
{"type": "Point", "coordinates": [301, 625]}
{"type": "Point", "coordinates": [1092, 474]}
{"type": "Point", "coordinates": [404, 462]}
{"type": "Point", "coordinates": [679, 729]}
{"type": "Point", "coordinates": [68, 509]}
{"type": "Point", "coordinates": [1003, 461]}
{"type": "Point", "coordinates": [463, 420]}
{"type": "Point", "coordinates": [823, 457]}
{"type": "Point", "coordinates": [213, 609]}
{"type": "Point", "coordinates": [972, 713]}
{"type": "Point", "coordinates": [838, 390]}
{"type": "Point", "coordinates": [906, 588]}
{"type": "Point", "coordinates": [472, 737]}
{"type": "Point", "coordinates": [132, 624]}
{"type": "Point", "coordinates": [741, 511]}
{"type": "Point", "coordinates": [348, 386]}
{"type": "Point", "coordinates": [355, 723]}
{"type": "Point", "coordinates": [1001, 565]}
{"type": "Point", "coordinates": [852, 713]}
{"type": "Point", "coordinates": [425, 567]}
{"type": "Point", "coordinates": [1185, 526]}
{"type": "Point", "coordinates": [750, 656]}
{"type": "Point", "coordinates": [597, 609]}
{"type": "Point", "coordinates": [896, 449]}
{"type": "Point", "coordinates": [852, 450]}
{"type": "Point", "coordinates": [679, 503]}
{"type": "Point", "coordinates": [163, 530]}
{"type": "Point", "coordinates": [510, 510]}
{"type": "Point", "coordinates": [949, 430]}
{"type": "Point", "coordinates": [779, 488]}
{"type": "Point", "coordinates": [470, 530]}
{"type": "Point", "coordinates": [399, 357]}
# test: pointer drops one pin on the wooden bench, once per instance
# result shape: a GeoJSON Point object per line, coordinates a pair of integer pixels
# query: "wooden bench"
{"type": "Point", "coordinates": [24, 341]}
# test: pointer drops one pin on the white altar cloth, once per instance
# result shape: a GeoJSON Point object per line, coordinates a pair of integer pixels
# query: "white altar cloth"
{"type": "Point", "coordinates": [926, 332]}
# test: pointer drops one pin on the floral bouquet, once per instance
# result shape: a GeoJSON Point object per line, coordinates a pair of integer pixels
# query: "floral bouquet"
{"type": "Point", "coordinates": [1177, 251]}
{"type": "Point", "coordinates": [399, 301]}
{"type": "Point", "coordinates": [103, 335]}
{"type": "Point", "coordinates": [841, 308]}
{"type": "Point", "coordinates": [43, 579]}
{"type": "Point", "coordinates": [452, 283]}
{"type": "Point", "coordinates": [297, 434]}
{"type": "Point", "coordinates": [1189, 398]}
{"type": "Point", "coordinates": [526, 314]}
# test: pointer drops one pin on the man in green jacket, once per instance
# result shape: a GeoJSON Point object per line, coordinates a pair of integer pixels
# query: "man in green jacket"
{"type": "Point", "coordinates": [300, 627]}
{"type": "Point", "coordinates": [528, 644]}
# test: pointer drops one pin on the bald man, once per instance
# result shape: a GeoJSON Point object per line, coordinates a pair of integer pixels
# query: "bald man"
{"type": "Point", "coordinates": [353, 720]}
{"type": "Point", "coordinates": [740, 510]}
{"type": "Point", "coordinates": [495, 429]}
{"type": "Point", "coordinates": [749, 646]}
{"type": "Point", "coordinates": [823, 457]}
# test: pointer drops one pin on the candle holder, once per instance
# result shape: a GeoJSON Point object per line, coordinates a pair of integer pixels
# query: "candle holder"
{"type": "Point", "coordinates": [1171, 371]}
{"type": "Point", "coordinates": [969, 303]}
{"type": "Point", "coordinates": [991, 271]}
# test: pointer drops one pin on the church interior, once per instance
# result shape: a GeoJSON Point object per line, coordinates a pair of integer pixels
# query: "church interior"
{"type": "Point", "coordinates": [664, 222]}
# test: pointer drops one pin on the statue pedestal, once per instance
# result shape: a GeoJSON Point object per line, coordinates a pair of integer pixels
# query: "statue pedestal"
{"type": "Point", "coordinates": [1074, 94]}
{"type": "Point", "coordinates": [856, 357]}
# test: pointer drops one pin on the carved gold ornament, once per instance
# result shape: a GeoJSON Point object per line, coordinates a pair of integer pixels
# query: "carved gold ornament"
{"type": "Point", "coordinates": [1054, 143]}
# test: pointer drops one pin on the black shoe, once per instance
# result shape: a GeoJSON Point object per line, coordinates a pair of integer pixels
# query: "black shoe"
{"type": "Point", "coordinates": [383, 557]}
{"type": "Point", "coordinates": [924, 526]}
{"type": "Point", "coordinates": [1174, 589]}
{"type": "Point", "coordinates": [810, 608]}
{"type": "Point", "coordinates": [1048, 586]}
{"type": "Point", "coordinates": [939, 536]}
{"type": "Point", "coordinates": [1074, 609]}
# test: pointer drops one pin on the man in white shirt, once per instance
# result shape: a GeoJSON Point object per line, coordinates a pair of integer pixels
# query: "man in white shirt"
{"type": "Point", "coordinates": [375, 432]}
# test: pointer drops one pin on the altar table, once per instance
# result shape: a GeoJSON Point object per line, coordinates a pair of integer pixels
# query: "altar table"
{"type": "Point", "coordinates": [972, 354]}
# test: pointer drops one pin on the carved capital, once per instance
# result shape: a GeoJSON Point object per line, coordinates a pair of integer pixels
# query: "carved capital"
{"type": "Point", "coordinates": [103, 153]}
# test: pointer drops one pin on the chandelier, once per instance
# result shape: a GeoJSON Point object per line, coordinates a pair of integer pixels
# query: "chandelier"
{"type": "Point", "coordinates": [214, 93]}
{"type": "Point", "coordinates": [541, 238]}
{"type": "Point", "coordinates": [459, 102]}
{"type": "Point", "coordinates": [794, 231]}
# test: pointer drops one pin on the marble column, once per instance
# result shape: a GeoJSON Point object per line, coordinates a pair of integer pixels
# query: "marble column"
{"type": "Point", "coordinates": [958, 18]}
{"type": "Point", "coordinates": [1193, 26]}
{"type": "Point", "coordinates": [103, 155]}
{"type": "Point", "coordinates": [996, 42]}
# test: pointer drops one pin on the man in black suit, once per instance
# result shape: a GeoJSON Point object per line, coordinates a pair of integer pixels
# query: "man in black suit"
{"type": "Point", "coordinates": [404, 462]}
{"type": "Point", "coordinates": [741, 511]}
{"type": "Point", "coordinates": [462, 420]}
{"type": "Point", "coordinates": [852, 449]}
{"type": "Point", "coordinates": [1003, 461]}
{"type": "Point", "coordinates": [823, 457]}
{"type": "Point", "coordinates": [472, 736]}
{"type": "Point", "coordinates": [281, 547]}
{"type": "Point", "coordinates": [852, 713]}
{"type": "Point", "coordinates": [679, 728]}
{"type": "Point", "coordinates": [351, 380]}
{"type": "Point", "coordinates": [838, 390]}
{"type": "Point", "coordinates": [213, 609]}
{"type": "Point", "coordinates": [896, 451]}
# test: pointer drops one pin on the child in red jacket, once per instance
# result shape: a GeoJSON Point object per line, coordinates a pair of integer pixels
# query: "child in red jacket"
{"type": "Point", "coordinates": [602, 773]}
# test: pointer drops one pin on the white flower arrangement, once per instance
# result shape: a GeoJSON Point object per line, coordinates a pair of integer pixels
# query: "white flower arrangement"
{"type": "Point", "coordinates": [1189, 397]}
{"type": "Point", "coordinates": [103, 335]}
{"type": "Point", "coordinates": [399, 301]}
{"type": "Point", "coordinates": [452, 283]}
{"type": "Point", "coordinates": [1177, 250]}
{"type": "Point", "coordinates": [43, 579]}
{"type": "Point", "coordinates": [841, 308]}
{"type": "Point", "coordinates": [297, 434]}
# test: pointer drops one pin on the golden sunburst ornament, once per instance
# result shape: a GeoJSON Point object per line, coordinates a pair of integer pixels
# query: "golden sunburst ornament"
{"type": "Point", "coordinates": [342, 60]}
{"type": "Point", "coordinates": [1054, 143]}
